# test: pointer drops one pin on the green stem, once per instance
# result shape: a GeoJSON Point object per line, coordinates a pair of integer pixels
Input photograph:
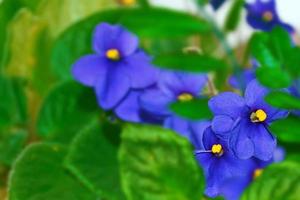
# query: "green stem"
{"type": "Point", "coordinates": [225, 45]}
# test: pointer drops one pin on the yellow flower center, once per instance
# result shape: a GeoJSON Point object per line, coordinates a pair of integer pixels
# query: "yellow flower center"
{"type": "Point", "coordinates": [257, 173]}
{"type": "Point", "coordinates": [127, 2]}
{"type": "Point", "coordinates": [184, 97]}
{"type": "Point", "coordinates": [258, 116]}
{"type": "Point", "coordinates": [113, 54]}
{"type": "Point", "coordinates": [217, 149]}
{"type": "Point", "coordinates": [267, 16]}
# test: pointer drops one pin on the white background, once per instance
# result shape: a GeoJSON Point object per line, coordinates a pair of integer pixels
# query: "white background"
{"type": "Point", "coordinates": [288, 10]}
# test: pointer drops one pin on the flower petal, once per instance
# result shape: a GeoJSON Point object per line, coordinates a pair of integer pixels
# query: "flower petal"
{"type": "Point", "coordinates": [175, 83]}
{"type": "Point", "coordinates": [197, 130]}
{"type": "Point", "coordinates": [112, 90]}
{"type": "Point", "coordinates": [240, 142]}
{"type": "Point", "coordinates": [138, 67]}
{"type": "Point", "coordinates": [129, 109]}
{"type": "Point", "coordinates": [227, 103]}
{"type": "Point", "coordinates": [264, 143]}
{"type": "Point", "coordinates": [155, 102]}
{"type": "Point", "coordinates": [255, 93]}
{"type": "Point", "coordinates": [179, 125]}
{"type": "Point", "coordinates": [108, 36]}
{"type": "Point", "coordinates": [222, 126]}
{"type": "Point", "coordinates": [88, 69]}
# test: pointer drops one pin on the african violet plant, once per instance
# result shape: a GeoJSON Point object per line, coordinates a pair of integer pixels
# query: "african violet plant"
{"type": "Point", "coordinates": [131, 101]}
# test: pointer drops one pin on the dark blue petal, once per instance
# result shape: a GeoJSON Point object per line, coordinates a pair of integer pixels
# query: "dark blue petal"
{"type": "Point", "coordinates": [227, 103]}
{"type": "Point", "coordinates": [138, 67]}
{"type": "Point", "coordinates": [155, 102]}
{"type": "Point", "coordinates": [89, 69]}
{"type": "Point", "coordinates": [264, 143]}
{"type": "Point", "coordinates": [108, 36]}
{"type": "Point", "coordinates": [198, 129]}
{"type": "Point", "coordinates": [216, 4]}
{"type": "Point", "coordinates": [113, 89]}
{"type": "Point", "coordinates": [129, 108]}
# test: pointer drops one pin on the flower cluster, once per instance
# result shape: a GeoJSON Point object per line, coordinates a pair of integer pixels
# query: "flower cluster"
{"type": "Point", "coordinates": [232, 149]}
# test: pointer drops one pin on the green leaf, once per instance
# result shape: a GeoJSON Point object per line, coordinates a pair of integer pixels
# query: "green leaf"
{"type": "Point", "coordinates": [274, 78]}
{"type": "Point", "coordinates": [259, 49]}
{"type": "Point", "coordinates": [8, 8]}
{"type": "Point", "coordinates": [66, 110]}
{"type": "Point", "coordinates": [11, 145]}
{"type": "Point", "coordinates": [280, 43]}
{"type": "Point", "coordinates": [61, 14]}
{"type": "Point", "coordinates": [38, 173]}
{"type": "Point", "coordinates": [24, 27]}
{"type": "Point", "coordinates": [292, 62]}
{"type": "Point", "coordinates": [13, 104]}
{"type": "Point", "coordinates": [283, 100]}
{"type": "Point", "coordinates": [156, 164]}
{"type": "Point", "coordinates": [195, 109]}
{"type": "Point", "coordinates": [234, 16]}
{"type": "Point", "coordinates": [278, 181]}
{"type": "Point", "coordinates": [189, 62]}
{"type": "Point", "coordinates": [93, 159]}
{"type": "Point", "coordinates": [146, 22]}
{"type": "Point", "coordinates": [287, 130]}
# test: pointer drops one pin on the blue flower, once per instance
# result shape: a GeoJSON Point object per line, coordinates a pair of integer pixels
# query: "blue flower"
{"type": "Point", "coordinates": [262, 15]}
{"type": "Point", "coordinates": [117, 66]}
{"type": "Point", "coordinates": [216, 4]}
{"type": "Point", "coordinates": [245, 121]}
{"type": "Point", "coordinates": [172, 87]}
{"type": "Point", "coordinates": [233, 187]}
{"type": "Point", "coordinates": [218, 161]}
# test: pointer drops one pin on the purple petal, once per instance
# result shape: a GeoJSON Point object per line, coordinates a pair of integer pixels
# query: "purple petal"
{"type": "Point", "coordinates": [198, 129]}
{"type": "Point", "coordinates": [175, 83]}
{"type": "Point", "coordinates": [255, 93]}
{"type": "Point", "coordinates": [222, 125]}
{"type": "Point", "coordinates": [112, 90]}
{"type": "Point", "coordinates": [89, 69]}
{"type": "Point", "coordinates": [138, 67]}
{"type": "Point", "coordinates": [254, 96]}
{"type": "Point", "coordinates": [279, 154]}
{"type": "Point", "coordinates": [209, 138]}
{"type": "Point", "coordinates": [233, 188]}
{"type": "Point", "coordinates": [264, 143]}
{"type": "Point", "coordinates": [227, 103]}
{"type": "Point", "coordinates": [155, 102]}
{"type": "Point", "coordinates": [218, 172]}
{"type": "Point", "coordinates": [129, 109]}
{"type": "Point", "coordinates": [179, 125]}
{"type": "Point", "coordinates": [240, 142]}
{"type": "Point", "coordinates": [108, 36]}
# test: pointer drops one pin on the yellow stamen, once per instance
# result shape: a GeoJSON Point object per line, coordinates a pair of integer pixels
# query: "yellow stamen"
{"type": "Point", "coordinates": [185, 97]}
{"type": "Point", "coordinates": [267, 16]}
{"type": "Point", "coordinates": [127, 2]}
{"type": "Point", "coordinates": [258, 116]}
{"type": "Point", "coordinates": [257, 173]}
{"type": "Point", "coordinates": [217, 149]}
{"type": "Point", "coordinates": [113, 54]}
